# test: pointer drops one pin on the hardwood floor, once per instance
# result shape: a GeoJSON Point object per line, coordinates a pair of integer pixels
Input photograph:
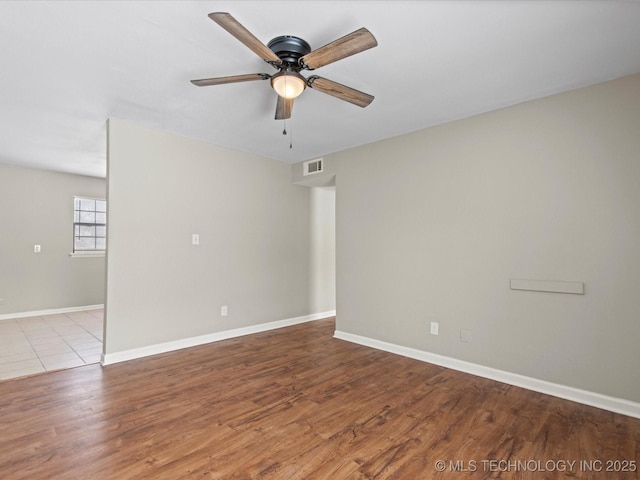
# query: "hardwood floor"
{"type": "Point", "coordinates": [296, 403]}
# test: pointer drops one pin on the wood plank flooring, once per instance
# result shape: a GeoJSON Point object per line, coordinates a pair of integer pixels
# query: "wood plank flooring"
{"type": "Point", "coordinates": [296, 403]}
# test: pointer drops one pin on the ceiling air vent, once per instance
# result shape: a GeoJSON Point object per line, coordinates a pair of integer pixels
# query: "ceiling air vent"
{"type": "Point", "coordinates": [312, 166]}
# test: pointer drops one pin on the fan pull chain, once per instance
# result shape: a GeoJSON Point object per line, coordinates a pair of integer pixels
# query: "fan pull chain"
{"type": "Point", "coordinates": [284, 132]}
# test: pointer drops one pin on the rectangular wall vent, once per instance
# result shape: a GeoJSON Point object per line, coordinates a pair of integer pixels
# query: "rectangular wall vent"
{"type": "Point", "coordinates": [312, 167]}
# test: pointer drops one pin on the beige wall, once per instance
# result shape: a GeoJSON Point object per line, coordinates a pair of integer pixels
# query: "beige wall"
{"type": "Point", "coordinates": [254, 251]}
{"type": "Point", "coordinates": [36, 207]}
{"type": "Point", "coordinates": [323, 250]}
{"type": "Point", "coordinates": [432, 225]}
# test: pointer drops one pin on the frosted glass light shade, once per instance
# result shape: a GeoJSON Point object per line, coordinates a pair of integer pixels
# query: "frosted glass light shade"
{"type": "Point", "coordinates": [288, 84]}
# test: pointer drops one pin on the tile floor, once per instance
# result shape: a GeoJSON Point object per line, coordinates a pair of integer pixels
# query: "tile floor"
{"type": "Point", "coordinates": [50, 342]}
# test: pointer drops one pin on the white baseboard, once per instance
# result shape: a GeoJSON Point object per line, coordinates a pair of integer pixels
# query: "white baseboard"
{"type": "Point", "coordinates": [612, 404]}
{"type": "Point", "coordinates": [123, 356]}
{"type": "Point", "coordinates": [53, 311]}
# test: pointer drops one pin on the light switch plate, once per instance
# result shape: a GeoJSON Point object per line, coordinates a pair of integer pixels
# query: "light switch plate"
{"type": "Point", "coordinates": [195, 239]}
{"type": "Point", "coordinates": [434, 328]}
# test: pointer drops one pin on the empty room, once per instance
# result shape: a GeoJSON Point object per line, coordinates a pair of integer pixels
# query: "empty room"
{"type": "Point", "coordinates": [320, 240]}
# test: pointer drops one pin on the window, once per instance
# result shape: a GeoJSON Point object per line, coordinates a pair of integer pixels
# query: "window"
{"type": "Point", "coordinates": [89, 225]}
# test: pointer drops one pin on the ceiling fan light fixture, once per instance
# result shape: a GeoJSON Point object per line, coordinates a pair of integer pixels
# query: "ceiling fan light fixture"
{"type": "Point", "coordinates": [288, 84]}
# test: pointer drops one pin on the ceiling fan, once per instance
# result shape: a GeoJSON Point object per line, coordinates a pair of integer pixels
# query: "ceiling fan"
{"type": "Point", "coordinates": [290, 55]}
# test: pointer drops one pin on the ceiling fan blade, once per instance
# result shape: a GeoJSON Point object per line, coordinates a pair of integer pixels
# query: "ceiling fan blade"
{"type": "Point", "coordinates": [340, 91]}
{"type": "Point", "coordinates": [232, 79]}
{"type": "Point", "coordinates": [346, 46]}
{"type": "Point", "coordinates": [234, 27]}
{"type": "Point", "coordinates": [284, 108]}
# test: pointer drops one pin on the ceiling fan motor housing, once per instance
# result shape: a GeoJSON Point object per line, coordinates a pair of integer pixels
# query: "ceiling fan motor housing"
{"type": "Point", "coordinates": [289, 49]}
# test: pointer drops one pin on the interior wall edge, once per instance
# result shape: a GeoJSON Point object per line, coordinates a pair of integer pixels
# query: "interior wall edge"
{"type": "Point", "coordinates": [135, 353]}
{"type": "Point", "coordinates": [593, 399]}
{"type": "Point", "coordinates": [51, 311]}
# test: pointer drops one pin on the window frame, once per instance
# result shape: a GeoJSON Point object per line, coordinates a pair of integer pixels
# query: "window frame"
{"type": "Point", "coordinates": [95, 252]}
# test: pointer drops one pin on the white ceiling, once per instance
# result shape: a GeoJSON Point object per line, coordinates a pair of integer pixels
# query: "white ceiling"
{"type": "Point", "coordinates": [68, 66]}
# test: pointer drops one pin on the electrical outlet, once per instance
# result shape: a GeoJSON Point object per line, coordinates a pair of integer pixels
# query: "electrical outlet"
{"type": "Point", "coordinates": [434, 328]}
{"type": "Point", "coordinates": [224, 311]}
{"type": "Point", "coordinates": [36, 249]}
{"type": "Point", "coordinates": [465, 336]}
